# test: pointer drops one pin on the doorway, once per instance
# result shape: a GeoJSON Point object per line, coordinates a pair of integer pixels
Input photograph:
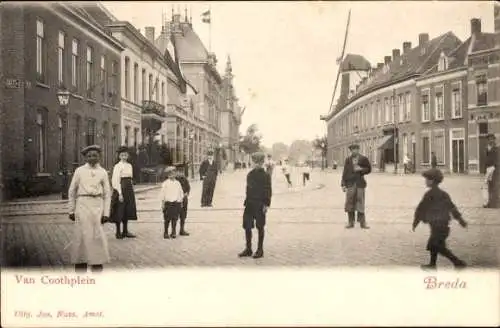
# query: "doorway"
{"type": "Point", "coordinates": [483, 142]}
{"type": "Point", "coordinates": [457, 155]}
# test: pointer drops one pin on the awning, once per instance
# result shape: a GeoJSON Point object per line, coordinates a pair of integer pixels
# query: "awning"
{"type": "Point", "coordinates": [387, 142]}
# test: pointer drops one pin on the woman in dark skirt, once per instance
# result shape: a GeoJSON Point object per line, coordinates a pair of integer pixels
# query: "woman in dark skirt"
{"type": "Point", "coordinates": [123, 207]}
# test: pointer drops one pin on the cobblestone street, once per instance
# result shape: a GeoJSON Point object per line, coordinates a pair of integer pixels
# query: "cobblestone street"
{"type": "Point", "coordinates": [305, 227]}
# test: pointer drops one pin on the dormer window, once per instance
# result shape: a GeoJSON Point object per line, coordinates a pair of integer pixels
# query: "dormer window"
{"type": "Point", "coordinates": [386, 69]}
{"type": "Point", "coordinates": [422, 51]}
{"type": "Point", "coordinates": [443, 62]}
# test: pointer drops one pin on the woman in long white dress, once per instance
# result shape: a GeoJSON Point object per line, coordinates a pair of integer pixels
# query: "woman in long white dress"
{"type": "Point", "coordinates": [89, 197]}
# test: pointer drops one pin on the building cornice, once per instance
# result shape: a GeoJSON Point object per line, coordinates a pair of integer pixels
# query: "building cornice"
{"type": "Point", "coordinates": [99, 32]}
{"type": "Point", "coordinates": [441, 76]}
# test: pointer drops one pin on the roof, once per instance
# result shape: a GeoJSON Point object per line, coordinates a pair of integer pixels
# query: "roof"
{"type": "Point", "coordinates": [414, 62]}
{"type": "Point", "coordinates": [189, 46]}
{"type": "Point", "coordinates": [352, 62]}
{"type": "Point", "coordinates": [484, 41]}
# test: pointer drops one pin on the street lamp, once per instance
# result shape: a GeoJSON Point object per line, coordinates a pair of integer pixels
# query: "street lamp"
{"type": "Point", "coordinates": [63, 97]}
{"type": "Point", "coordinates": [191, 138]}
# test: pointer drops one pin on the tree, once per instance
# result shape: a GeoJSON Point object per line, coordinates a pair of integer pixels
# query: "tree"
{"type": "Point", "coordinates": [279, 150]}
{"type": "Point", "coordinates": [321, 143]}
{"type": "Point", "coordinates": [300, 151]}
{"type": "Point", "coordinates": [250, 143]}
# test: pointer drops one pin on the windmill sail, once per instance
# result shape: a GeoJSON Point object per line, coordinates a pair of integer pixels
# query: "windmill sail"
{"type": "Point", "coordinates": [339, 61]}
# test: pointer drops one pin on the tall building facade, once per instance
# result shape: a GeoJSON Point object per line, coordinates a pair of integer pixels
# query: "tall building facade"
{"type": "Point", "coordinates": [416, 103]}
{"type": "Point", "coordinates": [230, 116]}
{"type": "Point", "coordinates": [53, 47]}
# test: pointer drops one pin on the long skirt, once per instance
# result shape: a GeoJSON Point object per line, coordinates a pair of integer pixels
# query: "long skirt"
{"type": "Point", "coordinates": [89, 244]}
{"type": "Point", "coordinates": [126, 210]}
{"type": "Point", "coordinates": [355, 199]}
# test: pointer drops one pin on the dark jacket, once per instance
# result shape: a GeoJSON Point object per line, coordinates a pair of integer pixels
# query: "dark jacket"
{"type": "Point", "coordinates": [434, 161]}
{"type": "Point", "coordinates": [207, 170]}
{"type": "Point", "coordinates": [435, 209]}
{"type": "Point", "coordinates": [259, 189]}
{"type": "Point", "coordinates": [492, 157]}
{"type": "Point", "coordinates": [186, 187]}
{"type": "Point", "coordinates": [349, 177]}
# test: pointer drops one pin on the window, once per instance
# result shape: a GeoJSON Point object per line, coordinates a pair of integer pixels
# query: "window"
{"type": "Point", "coordinates": [136, 136]}
{"type": "Point", "coordinates": [74, 63]}
{"type": "Point", "coordinates": [456, 103]}
{"type": "Point", "coordinates": [115, 86]}
{"type": "Point", "coordinates": [89, 71]}
{"type": "Point", "coordinates": [426, 148]}
{"type": "Point", "coordinates": [380, 114]}
{"type": "Point", "coordinates": [405, 144]}
{"type": "Point", "coordinates": [443, 63]}
{"type": "Point", "coordinates": [40, 51]}
{"type": "Point", "coordinates": [41, 140]}
{"type": "Point", "coordinates": [163, 93]}
{"type": "Point", "coordinates": [408, 106]}
{"type": "Point", "coordinates": [76, 139]}
{"type": "Point", "coordinates": [439, 146]}
{"type": "Point", "coordinates": [102, 77]}
{"type": "Point", "coordinates": [373, 109]}
{"type": "Point", "coordinates": [91, 131]}
{"type": "Point", "coordinates": [127, 78]}
{"type": "Point", "coordinates": [482, 90]}
{"type": "Point", "coordinates": [60, 58]}
{"type": "Point", "coordinates": [143, 85]}
{"type": "Point", "coordinates": [425, 108]}
{"type": "Point", "coordinates": [157, 93]}
{"type": "Point", "coordinates": [127, 135]}
{"type": "Point", "coordinates": [387, 109]}
{"type": "Point", "coordinates": [402, 108]}
{"type": "Point", "coordinates": [104, 141]}
{"type": "Point", "coordinates": [439, 110]}
{"type": "Point", "coordinates": [136, 82]}
{"type": "Point", "coordinates": [114, 138]}
{"type": "Point", "coordinates": [392, 109]}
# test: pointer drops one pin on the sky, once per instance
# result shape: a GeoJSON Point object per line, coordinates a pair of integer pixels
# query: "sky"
{"type": "Point", "coordinates": [283, 53]}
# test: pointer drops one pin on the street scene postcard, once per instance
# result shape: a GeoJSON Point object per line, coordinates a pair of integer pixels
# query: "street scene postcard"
{"type": "Point", "coordinates": [279, 164]}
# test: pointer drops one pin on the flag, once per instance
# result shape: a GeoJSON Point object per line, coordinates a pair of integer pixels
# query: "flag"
{"type": "Point", "coordinates": [205, 17]}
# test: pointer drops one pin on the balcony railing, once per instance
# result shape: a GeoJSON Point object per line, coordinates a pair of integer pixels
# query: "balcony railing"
{"type": "Point", "coordinates": [152, 107]}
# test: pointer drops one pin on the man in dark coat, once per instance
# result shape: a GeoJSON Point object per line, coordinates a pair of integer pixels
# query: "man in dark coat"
{"type": "Point", "coordinates": [208, 173]}
{"type": "Point", "coordinates": [353, 183]}
{"type": "Point", "coordinates": [186, 188]}
{"type": "Point", "coordinates": [492, 173]}
{"type": "Point", "coordinates": [257, 201]}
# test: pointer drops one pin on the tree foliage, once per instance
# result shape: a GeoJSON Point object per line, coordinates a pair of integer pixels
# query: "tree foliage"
{"type": "Point", "coordinates": [250, 142]}
{"type": "Point", "coordinates": [300, 151]}
{"type": "Point", "coordinates": [321, 143]}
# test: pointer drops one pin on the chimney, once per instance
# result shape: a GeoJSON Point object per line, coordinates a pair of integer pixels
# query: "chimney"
{"type": "Point", "coordinates": [380, 65]}
{"type": "Point", "coordinates": [150, 33]}
{"type": "Point", "coordinates": [406, 47]}
{"type": "Point", "coordinates": [423, 38]}
{"type": "Point", "coordinates": [395, 53]}
{"type": "Point", "coordinates": [387, 60]}
{"type": "Point", "coordinates": [475, 26]}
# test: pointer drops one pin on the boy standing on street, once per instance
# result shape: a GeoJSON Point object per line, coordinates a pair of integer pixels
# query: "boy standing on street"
{"type": "Point", "coordinates": [186, 188]}
{"type": "Point", "coordinates": [257, 201]}
{"type": "Point", "coordinates": [306, 173]}
{"type": "Point", "coordinates": [171, 199]}
{"type": "Point", "coordinates": [434, 209]}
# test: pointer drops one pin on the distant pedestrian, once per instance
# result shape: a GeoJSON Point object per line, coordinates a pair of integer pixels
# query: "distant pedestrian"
{"type": "Point", "coordinates": [434, 161]}
{"type": "Point", "coordinates": [286, 171]}
{"type": "Point", "coordinates": [406, 164]}
{"type": "Point", "coordinates": [492, 176]}
{"type": "Point", "coordinates": [89, 205]}
{"type": "Point", "coordinates": [435, 209]}
{"type": "Point", "coordinates": [270, 165]}
{"type": "Point", "coordinates": [123, 207]}
{"type": "Point", "coordinates": [208, 173]}
{"type": "Point", "coordinates": [257, 202]}
{"type": "Point", "coordinates": [186, 189]}
{"type": "Point", "coordinates": [353, 183]}
{"type": "Point", "coordinates": [306, 173]}
{"type": "Point", "coordinates": [171, 198]}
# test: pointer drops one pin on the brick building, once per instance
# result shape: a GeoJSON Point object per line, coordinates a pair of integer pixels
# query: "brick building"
{"type": "Point", "coordinates": [422, 101]}
{"type": "Point", "coordinates": [50, 47]}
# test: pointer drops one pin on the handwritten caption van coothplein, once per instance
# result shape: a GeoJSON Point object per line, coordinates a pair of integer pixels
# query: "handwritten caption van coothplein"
{"type": "Point", "coordinates": [71, 281]}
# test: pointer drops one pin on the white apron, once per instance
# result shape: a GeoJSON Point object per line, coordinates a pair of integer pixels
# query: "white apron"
{"type": "Point", "coordinates": [89, 244]}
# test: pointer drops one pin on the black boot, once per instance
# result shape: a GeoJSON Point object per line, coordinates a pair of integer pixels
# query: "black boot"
{"type": "Point", "coordinates": [118, 234]}
{"type": "Point", "coordinates": [248, 249]}
{"type": "Point", "coordinates": [350, 216]}
{"type": "Point", "coordinates": [458, 263]}
{"type": "Point", "coordinates": [182, 231]}
{"type": "Point", "coordinates": [81, 267]}
{"type": "Point", "coordinates": [165, 229]}
{"type": "Point", "coordinates": [96, 268]}
{"type": "Point", "coordinates": [362, 221]}
{"type": "Point", "coordinates": [260, 249]}
{"type": "Point", "coordinates": [432, 263]}
{"type": "Point", "coordinates": [173, 235]}
{"type": "Point", "coordinates": [127, 234]}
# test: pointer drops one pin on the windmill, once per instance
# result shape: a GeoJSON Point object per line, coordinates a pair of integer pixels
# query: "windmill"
{"type": "Point", "coordinates": [339, 61]}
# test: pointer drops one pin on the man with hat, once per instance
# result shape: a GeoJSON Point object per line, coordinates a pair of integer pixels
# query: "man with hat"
{"type": "Point", "coordinates": [89, 197]}
{"type": "Point", "coordinates": [186, 188]}
{"type": "Point", "coordinates": [492, 177]}
{"type": "Point", "coordinates": [353, 183]}
{"type": "Point", "coordinates": [257, 201]}
{"type": "Point", "coordinates": [208, 173]}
